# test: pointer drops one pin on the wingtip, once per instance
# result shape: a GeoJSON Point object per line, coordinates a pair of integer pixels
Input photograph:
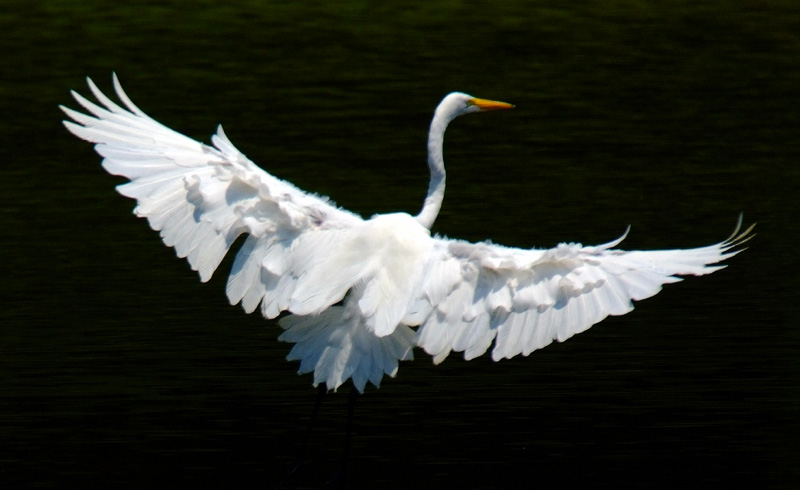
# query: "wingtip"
{"type": "Point", "coordinates": [74, 117]}
{"type": "Point", "coordinates": [115, 81]}
{"type": "Point", "coordinates": [92, 86]}
{"type": "Point", "coordinates": [738, 237]}
{"type": "Point", "coordinates": [124, 97]}
{"type": "Point", "coordinates": [615, 242]}
{"type": "Point", "coordinates": [75, 129]}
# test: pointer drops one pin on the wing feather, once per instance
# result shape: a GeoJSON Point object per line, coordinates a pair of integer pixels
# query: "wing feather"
{"type": "Point", "coordinates": [201, 198]}
{"type": "Point", "coordinates": [525, 299]}
{"type": "Point", "coordinates": [303, 254]}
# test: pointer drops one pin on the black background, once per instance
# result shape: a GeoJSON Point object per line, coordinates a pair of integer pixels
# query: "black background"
{"type": "Point", "coordinates": [118, 369]}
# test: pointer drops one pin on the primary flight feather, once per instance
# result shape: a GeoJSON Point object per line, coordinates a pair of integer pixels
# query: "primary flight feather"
{"type": "Point", "coordinates": [363, 293]}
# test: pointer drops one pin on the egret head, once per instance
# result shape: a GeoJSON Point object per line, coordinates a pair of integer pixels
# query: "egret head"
{"type": "Point", "coordinates": [458, 103]}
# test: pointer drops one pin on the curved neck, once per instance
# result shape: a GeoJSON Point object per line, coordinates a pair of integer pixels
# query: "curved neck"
{"type": "Point", "coordinates": [433, 202]}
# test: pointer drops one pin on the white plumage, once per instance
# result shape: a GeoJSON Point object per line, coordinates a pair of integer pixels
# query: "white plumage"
{"type": "Point", "coordinates": [363, 293]}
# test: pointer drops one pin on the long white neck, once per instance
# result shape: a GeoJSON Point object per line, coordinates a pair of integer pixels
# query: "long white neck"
{"type": "Point", "coordinates": [433, 202]}
{"type": "Point", "coordinates": [452, 106]}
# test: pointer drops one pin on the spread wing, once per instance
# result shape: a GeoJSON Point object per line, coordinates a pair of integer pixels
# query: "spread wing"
{"type": "Point", "coordinates": [473, 294]}
{"type": "Point", "coordinates": [462, 296]}
{"type": "Point", "coordinates": [201, 198]}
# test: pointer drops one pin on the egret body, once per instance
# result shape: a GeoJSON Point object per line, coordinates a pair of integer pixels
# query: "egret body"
{"type": "Point", "coordinates": [362, 293]}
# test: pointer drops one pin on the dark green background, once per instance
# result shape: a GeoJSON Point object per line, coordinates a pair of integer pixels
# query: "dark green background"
{"type": "Point", "coordinates": [118, 369]}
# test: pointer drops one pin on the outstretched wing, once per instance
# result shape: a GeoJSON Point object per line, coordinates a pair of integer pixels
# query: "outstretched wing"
{"type": "Point", "coordinates": [201, 198]}
{"type": "Point", "coordinates": [473, 294]}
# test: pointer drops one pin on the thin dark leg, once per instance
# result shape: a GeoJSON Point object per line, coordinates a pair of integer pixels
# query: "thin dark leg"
{"type": "Point", "coordinates": [340, 478]}
{"type": "Point", "coordinates": [322, 390]}
{"type": "Point", "coordinates": [351, 407]}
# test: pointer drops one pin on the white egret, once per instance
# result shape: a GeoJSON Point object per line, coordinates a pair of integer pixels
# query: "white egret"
{"type": "Point", "coordinates": [362, 293]}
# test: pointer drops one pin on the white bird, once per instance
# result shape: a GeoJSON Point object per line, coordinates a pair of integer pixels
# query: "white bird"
{"type": "Point", "coordinates": [362, 293]}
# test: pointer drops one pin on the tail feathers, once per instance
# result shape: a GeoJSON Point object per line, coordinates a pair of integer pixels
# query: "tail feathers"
{"type": "Point", "coordinates": [337, 346]}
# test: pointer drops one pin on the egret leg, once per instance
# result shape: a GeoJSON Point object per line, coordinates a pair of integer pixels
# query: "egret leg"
{"type": "Point", "coordinates": [287, 481]}
{"type": "Point", "coordinates": [339, 480]}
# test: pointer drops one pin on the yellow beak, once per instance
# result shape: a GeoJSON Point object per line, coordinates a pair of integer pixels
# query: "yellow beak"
{"type": "Point", "coordinates": [490, 105]}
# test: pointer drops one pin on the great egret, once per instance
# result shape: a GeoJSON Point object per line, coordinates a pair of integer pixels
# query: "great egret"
{"type": "Point", "coordinates": [362, 293]}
